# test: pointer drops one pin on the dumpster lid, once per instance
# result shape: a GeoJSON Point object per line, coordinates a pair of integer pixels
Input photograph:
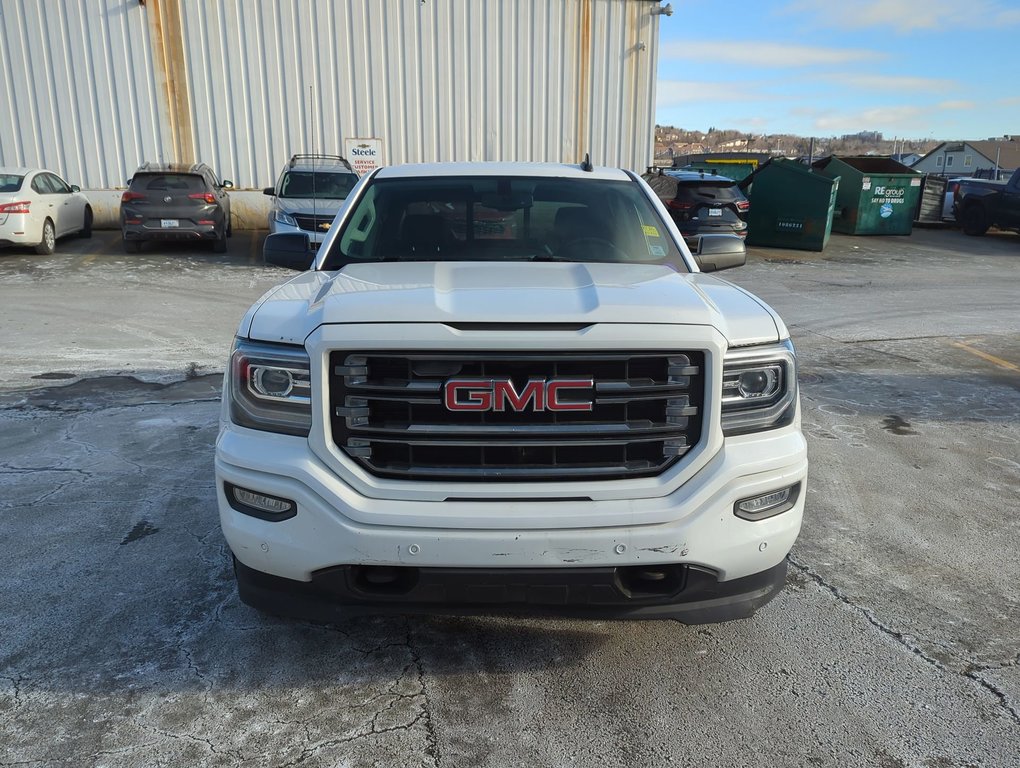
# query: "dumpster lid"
{"type": "Point", "coordinates": [790, 166]}
{"type": "Point", "coordinates": [866, 164]}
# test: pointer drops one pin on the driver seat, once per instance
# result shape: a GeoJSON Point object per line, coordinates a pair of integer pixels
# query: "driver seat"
{"type": "Point", "coordinates": [577, 223]}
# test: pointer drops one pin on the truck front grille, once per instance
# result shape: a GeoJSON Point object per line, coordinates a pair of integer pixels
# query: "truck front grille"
{"type": "Point", "coordinates": [313, 223]}
{"type": "Point", "coordinates": [389, 413]}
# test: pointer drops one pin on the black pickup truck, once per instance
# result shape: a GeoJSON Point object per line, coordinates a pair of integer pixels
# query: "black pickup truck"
{"type": "Point", "coordinates": [981, 204]}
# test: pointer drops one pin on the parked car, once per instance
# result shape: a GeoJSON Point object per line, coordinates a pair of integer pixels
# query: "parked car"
{"type": "Point", "coordinates": [308, 194]}
{"type": "Point", "coordinates": [981, 204]}
{"type": "Point", "coordinates": [701, 203]}
{"type": "Point", "coordinates": [37, 207]}
{"type": "Point", "coordinates": [170, 201]}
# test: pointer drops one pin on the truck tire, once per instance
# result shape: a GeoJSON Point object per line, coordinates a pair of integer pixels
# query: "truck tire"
{"type": "Point", "coordinates": [48, 244]}
{"type": "Point", "coordinates": [974, 220]}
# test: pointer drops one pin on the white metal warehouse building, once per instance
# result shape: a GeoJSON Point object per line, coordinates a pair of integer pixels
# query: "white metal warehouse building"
{"type": "Point", "coordinates": [93, 88]}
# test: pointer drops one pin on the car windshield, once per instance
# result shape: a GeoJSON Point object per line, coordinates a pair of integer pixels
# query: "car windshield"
{"type": "Point", "coordinates": [10, 182]}
{"type": "Point", "coordinates": [723, 191]}
{"type": "Point", "coordinates": [321, 185]}
{"type": "Point", "coordinates": [503, 219]}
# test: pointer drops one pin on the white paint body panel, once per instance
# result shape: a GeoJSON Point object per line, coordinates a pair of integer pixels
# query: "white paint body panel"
{"type": "Point", "coordinates": [695, 524]}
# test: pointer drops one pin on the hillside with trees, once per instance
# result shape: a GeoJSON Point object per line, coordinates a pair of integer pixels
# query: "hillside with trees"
{"type": "Point", "coordinates": [684, 142]}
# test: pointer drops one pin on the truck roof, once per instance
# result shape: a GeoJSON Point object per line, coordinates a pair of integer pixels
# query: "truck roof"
{"type": "Point", "coordinates": [559, 170]}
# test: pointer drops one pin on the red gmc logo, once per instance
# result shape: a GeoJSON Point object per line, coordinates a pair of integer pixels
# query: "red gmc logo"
{"type": "Point", "coordinates": [501, 395]}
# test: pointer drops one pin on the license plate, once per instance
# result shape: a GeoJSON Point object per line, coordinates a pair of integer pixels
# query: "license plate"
{"type": "Point", "coordinates": [715, 211]}
{"type": "Point", "coordinates": [169, 223]}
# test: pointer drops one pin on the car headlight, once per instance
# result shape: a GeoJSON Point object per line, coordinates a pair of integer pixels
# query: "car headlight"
{"type": "Point", "coordinates": [270, 387]}
{"type": "Point", "coordinates": [759, 388]}
{"type": "Point", "coordinates": [281, 217]}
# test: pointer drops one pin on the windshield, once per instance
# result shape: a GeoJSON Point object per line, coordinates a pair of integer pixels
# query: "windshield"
{"type": "Point", "coordinates": [321, 185]}
{"type": "Point", "coordinates": [503, 219]}
{"type": "Point", "coordinates": [168, 182]}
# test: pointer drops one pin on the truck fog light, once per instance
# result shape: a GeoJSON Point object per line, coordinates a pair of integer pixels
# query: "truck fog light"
{"type": "Point", "coordinates": [768, 504]}
{"type": "Point", "coordinates": [260, 505]}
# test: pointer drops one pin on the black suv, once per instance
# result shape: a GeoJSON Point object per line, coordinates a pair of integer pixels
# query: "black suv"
{"type": "Point", "coordinates": [170, 201]}
{"type": "Point", "coordinates": [701, 203]}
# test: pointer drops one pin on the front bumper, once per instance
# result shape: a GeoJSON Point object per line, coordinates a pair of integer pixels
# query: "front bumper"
{"type": "Point", "coordinates": [690, 595]}
{"type": "Point", "coordinates": [278, 227]}
{"type": "Point", "coordinates": [336, 528]}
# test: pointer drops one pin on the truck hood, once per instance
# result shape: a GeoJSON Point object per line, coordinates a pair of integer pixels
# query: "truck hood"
{"type": "Point", "coordinates": [509, 292]}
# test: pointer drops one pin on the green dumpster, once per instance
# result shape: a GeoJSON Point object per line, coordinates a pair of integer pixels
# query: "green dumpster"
{"type": "Point", "coordinates": [791, 206]}
{"type": "Point", "coordinates": [877, 195]}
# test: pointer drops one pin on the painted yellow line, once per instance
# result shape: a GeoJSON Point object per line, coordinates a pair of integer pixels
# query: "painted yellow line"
{"type": "Point", "coordinates": [997, 361]}
{"type": "Point", "coordinates": [88, 259]}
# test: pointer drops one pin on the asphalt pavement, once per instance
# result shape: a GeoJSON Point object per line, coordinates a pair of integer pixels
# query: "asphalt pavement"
{"type": "Point", "coordinates": [895, 644]}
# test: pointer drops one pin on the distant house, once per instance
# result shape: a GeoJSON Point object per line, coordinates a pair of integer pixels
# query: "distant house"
{"type": "Point", "coordinates": [908, 159]}
{"type": "Point", "coordinates": [971, 158]}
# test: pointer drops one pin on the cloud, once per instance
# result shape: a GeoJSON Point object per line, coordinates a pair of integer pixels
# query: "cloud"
{"type": "Point", "coordinates": [885, 119]}
{"type": "Point", "coordinates": [908, 15]}
{"type": "Point", "coordinates": [889, 82]}
{"type": "Point", "coordinates": [958, 104]}
{"type": "Point", "coordinates": [766, 55]}
{"type": "Point", "coordinates": [670, 93]}
{"type": "Point", "coordinates": [1008, 101]}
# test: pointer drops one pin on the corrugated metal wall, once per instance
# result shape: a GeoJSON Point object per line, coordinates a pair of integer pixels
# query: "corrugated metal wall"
{"type": "Point", "coordinates": [95, 87]}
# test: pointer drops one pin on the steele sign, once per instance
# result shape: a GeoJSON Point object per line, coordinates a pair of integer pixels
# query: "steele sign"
{"type": "Point", "coordinates": [364, 155]}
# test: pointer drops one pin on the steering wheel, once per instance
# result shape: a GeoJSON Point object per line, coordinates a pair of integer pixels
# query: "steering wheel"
{"type": "Point", "coordinates": [593, 249]}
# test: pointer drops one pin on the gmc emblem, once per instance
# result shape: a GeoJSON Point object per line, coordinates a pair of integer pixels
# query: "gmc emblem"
{"type": "Point", "coordinates": [501, 395]}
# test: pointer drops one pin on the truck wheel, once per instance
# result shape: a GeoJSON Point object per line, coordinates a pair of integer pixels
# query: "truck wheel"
{"type": "Point", "coordinates": [975, 222]}
{"type": "Point", "coordinates": [48, 244]}
{"type": "Point", "coordinates": [220, 244]}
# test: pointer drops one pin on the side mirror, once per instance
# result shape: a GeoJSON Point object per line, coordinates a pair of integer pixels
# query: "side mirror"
{"type": "Point", "coordinates": [288, 249]}
{"type": "Point", "coordinates": [75, 188]}
{"type": "Point", "coordinates": [717, 252]}
{"type": "Point", "coordinates": [227, 184]}
{"type": "Point", "coordinates": [271, 191]}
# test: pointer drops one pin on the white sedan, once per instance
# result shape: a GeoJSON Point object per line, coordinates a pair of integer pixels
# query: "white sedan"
{"type": "Point", "coordinates": [37, 207]}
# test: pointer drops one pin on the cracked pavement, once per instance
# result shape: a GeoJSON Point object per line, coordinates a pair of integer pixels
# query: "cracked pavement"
{"type": "Point", "coordinates": [896, 642]}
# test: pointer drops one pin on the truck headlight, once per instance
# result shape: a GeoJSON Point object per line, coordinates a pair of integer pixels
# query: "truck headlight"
{"type": "Point", "coordinates": [270, 387]}
{"type": "Point", "coordinates": [759, 388]}
{"type": "Point", "coordinates": [284, 218]}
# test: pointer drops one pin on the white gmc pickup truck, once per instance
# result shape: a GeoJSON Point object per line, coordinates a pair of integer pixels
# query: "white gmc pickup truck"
{"type": "Point", "coordinates": [508, 387]}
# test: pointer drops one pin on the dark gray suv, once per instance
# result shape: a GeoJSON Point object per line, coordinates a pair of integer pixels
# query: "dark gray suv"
{"type": "Point", "coordinates": [701, 203]}
{"type": "Point", "coordinates": [170, 201]}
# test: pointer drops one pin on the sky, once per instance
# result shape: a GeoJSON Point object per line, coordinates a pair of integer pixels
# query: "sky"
{"type": "Point", "coordinates": [919, 69]}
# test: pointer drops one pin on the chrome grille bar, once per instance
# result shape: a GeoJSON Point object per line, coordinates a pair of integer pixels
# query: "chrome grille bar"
{"type": "Point", "coordinates": [389, 414]}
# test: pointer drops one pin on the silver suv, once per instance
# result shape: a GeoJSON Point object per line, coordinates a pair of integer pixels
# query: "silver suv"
{"type": "Point", "coordinates": [308, 193]}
